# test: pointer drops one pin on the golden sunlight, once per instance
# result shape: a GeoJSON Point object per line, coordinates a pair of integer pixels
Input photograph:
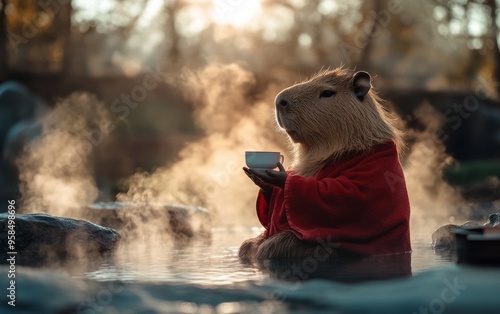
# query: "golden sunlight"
{"type": "Point", "coordinates": [237, 13]}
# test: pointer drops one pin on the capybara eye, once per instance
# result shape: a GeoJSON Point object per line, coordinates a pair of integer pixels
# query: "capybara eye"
{"type": "Point", "coordinates": [327, 94]}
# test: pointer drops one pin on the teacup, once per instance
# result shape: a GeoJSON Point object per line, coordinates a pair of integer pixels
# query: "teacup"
{"type": "Point", "coordinates": [263, 160]}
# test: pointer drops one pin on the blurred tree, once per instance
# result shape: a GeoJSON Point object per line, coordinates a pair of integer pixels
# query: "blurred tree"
{"type": "Point", "coordinates": [110, 39]}
{"type": "Point", "coordinates": [493, 8]}
{"type": "Point", "coordinates": [172, 9]}
{"type": "Point", "coordinates": [477, 22]}
{"type": "Point", "coordinates": [434, 43]}
{"type": "Point", "coordinates": [3, 41]}
{"type": "Point", "coordinates": [371, 25]}
{"type": "Point", "coordinates": [65, 33]}
{"type": "Point", "coordinates": [35, 32]}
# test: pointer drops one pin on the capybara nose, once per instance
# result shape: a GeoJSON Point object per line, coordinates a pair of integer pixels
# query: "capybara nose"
{"type": "Point", "coordinates": [281, 101]}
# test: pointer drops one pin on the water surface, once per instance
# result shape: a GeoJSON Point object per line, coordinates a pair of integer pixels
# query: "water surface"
{"type": "Point", "coordinates": [216, 262]}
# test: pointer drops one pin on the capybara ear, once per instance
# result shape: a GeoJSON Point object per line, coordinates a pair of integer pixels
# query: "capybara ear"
{"type": "Point", "coordinates": [361, 84]}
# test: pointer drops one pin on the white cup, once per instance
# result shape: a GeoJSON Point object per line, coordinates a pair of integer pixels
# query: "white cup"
{"type": "Point", "coordinates": [263, 160]}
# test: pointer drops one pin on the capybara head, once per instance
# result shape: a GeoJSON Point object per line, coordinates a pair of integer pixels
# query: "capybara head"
{"type": "Point", "coordinates": [330, 114]}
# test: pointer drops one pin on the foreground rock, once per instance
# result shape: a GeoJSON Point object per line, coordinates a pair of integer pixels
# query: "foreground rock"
{"type": "Point", "coordinates": [43, 238]}
{"type": "Point", "coordinates": [150, 220]}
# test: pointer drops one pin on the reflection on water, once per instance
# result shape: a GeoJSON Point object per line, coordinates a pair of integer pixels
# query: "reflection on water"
{"type": "Point", "coordinates": [342, 269]}
{"type": "Point", "coordinates": [217, 263]}
{"type": "Point", "coordinates": [214, 262]}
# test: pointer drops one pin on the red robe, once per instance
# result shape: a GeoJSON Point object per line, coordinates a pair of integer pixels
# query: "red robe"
{"type": "Point", "coordinates": [360, 203]}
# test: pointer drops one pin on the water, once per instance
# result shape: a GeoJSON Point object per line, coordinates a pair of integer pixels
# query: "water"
{"type": "Point", "coordinates": [207, 277]}
{"type": "Point", "coordinates": [216, 263]}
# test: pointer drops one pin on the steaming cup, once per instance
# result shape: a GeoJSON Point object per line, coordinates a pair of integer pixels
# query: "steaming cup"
{"type": "Point", "coordinates": [263, 160]}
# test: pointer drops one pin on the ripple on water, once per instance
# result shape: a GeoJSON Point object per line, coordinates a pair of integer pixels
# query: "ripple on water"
{"type": "Point", "coordinates": [217, 263]}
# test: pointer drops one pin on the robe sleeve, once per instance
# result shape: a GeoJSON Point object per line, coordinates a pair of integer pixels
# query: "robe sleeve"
{"type": "Point", "coordinates": [262, 210]}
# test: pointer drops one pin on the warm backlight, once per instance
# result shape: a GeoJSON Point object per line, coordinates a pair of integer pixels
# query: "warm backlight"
{"type": "Point", "coordinates": [237, 13]}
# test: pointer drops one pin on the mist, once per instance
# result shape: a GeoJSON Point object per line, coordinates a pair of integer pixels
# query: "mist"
{"type": "Point", "coordinates": [208, 171]}
{"type": "Point", "coordinates": [234, 116]}
{"type": "Point", "coordinates": [55, 170]}
{"type": "Point", "coordinates": [433, 201]}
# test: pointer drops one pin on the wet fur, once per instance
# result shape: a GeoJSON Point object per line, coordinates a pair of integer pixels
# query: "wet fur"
{"type": "Point", "coordinates": [284, 245]}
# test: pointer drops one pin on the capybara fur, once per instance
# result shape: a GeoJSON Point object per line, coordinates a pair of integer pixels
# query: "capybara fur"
{"type": "Point", "coordinates": [284, 245]}
{"type": "Point", "coordinates": [333, 113]}
{"type": "Point", "coordinates": [322, 129]}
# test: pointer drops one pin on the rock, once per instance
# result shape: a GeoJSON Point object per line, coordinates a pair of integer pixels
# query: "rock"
{"type": "Point", "coordinates": [493, 220]}
{"type": "Point", "coordinates": [41, 238]}
{"type": "Point", "coordinates": [443, 237]}
{"type": "Point", "coordinates": [470, 224]}
{"type": "Point", "coordinates": [178, 222]}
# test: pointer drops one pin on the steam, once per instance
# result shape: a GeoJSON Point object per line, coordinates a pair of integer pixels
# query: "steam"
{"type": "Point", "coordinates": [235, 115]}
{"type": "Point", "coordinates": [208, 171]}
{"type": "Point", "coordinates": [55, 169]}
{"type": "Point", "coordinates": [433, 201]}
{"type": "Point", "coordinates": [234, 118]}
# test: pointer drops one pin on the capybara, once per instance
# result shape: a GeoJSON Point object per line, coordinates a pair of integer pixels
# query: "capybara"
{"type": "Point", "coordinates": [345, 192]}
